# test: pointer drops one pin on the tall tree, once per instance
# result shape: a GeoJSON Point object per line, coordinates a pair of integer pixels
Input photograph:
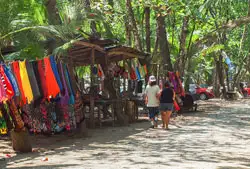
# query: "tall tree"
{"type": "Point", "coordinates": [163, 42]}
{"type": "Point", "coordinates": [147, 26]}
{"type": "Point", "coordinates": [183, 51]}
{"type": "Point", "coordinates": [134, 27]}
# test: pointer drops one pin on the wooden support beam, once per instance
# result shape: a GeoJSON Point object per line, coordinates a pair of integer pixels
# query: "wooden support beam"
{"type": "Point", "coordinates": [92, 97]}
{"type": "Point", "coordinates": [80, 51]}
{"type": "Point", "coordinates": [126, 54]}
{"type": "Point", "coordinates": [93, 46]}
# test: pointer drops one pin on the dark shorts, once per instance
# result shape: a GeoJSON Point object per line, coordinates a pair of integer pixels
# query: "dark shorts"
{"type": "Point", "coordinates": [153, 111]}
{"type": "Point", "coordinates": [166, 106]}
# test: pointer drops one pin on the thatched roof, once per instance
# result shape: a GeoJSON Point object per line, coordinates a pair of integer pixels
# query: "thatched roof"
{"type": "Point", "coordinates": [105, 51]}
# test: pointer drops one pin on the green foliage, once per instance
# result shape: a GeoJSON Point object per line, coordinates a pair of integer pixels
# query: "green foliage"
{"type": "Point", "coordinates": [24, 24]}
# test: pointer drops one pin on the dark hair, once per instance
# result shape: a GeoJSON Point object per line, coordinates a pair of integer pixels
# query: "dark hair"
{"type": "Point", "coordinates": [167, 84]}
{"type": "Point", "coordinates": [152, 83]}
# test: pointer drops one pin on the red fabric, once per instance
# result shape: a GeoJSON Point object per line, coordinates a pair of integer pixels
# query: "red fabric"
{"type": "Point", "coordinates": [132, 74]}
{"type": "Point", "coordinates": [16, 71]}
{"type": "Point", "coordinates": [9, 89]}
{"type": "Point", "coordinates": [51, 83]}
{"type": "Point", "coordinates": [176, 106]}
{"type": "Point", "coordinates": [41, 71]}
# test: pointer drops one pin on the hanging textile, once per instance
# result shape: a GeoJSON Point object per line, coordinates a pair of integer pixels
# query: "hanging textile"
{"type": "Point", "coordinates": [33, 81]}
{"type": "Point", "coordinates": [3, 125]}
{"type": "Point", "coordinates": [65, 92]}
{"type": "Point", "coordinates": [3, 96]}
{"type": "Point", "coordinates": [71, 99]}
{"type": "Point", "coordinates": [51, 83]}
{"type": "Point", "coordinates": [55, 70]}
{"type": "Point", "coordinates": [41, 71]}
{"type": "Point", "coordinates": [16, 71]}
{"type": "Point", "coordinates": [12, 80]}
{"type": "Point", "coordinates": [39, 82]}
{"type": "Point", "coordinates": [25, 81]}
{"type": "Point", "coordinates": [6, 83]}
{"type": "Point", "coordinates": [138, 75]}
{"type": "Point", "coordinates": [6, 116]}
{"type": "Point", "coordinates": [132, 74]}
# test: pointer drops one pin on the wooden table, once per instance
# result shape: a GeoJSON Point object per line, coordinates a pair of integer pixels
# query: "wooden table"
{"type": "Point", "coordinates": [102, 103]}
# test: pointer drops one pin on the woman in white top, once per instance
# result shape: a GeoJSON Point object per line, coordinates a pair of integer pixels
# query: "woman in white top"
{"type": "Point", "coordinates": [152, 100]}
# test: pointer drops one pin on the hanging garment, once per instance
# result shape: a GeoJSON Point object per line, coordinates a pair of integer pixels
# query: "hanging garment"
{"type": "Point", "coordinates": [51, 83]}
{"type": "Point", "coordinates": [12, 79]}
{"type": "Point", "coordinates": [41, 71]}
{"type": "Point", "coordinates": [16, 71]}
{"type": "Point", "coordinates": [64, 93]}
{"type": "Point", "coordinates": [55, 70]}
{"type": "Point", "coordinates": [37, 76]}
{"type": "Point", "coordinates": [5, 114]}
{"type": "Point", "coordinates": [145, 69]}
{"type": "Point", "coordinates": [3, 96]}
{"type": "Point", "coordinates": [3, 125]}
{"type": "Point", "coordinates": [100, 72]}
{"type": "Point", "coordinates": [132, 74]}
{"type": "Point", "coordinates": [6, 83]}
{"type": "Point", "coordinates": [25, 82]}
{"type": "Point", "coordinates": [138, 75]}
{"type": "Point", "coordinates": [33, 81]}
{"type": "Point", "coordinates": [71, 99]}
{"type": "Point", "coordinates": [46, 122]}
{"type": "Point", "coordinates": [142, 72]}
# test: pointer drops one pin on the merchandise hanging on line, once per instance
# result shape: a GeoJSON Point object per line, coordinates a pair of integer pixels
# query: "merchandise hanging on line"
{"type": "Point", "coordinates": [38, 95]}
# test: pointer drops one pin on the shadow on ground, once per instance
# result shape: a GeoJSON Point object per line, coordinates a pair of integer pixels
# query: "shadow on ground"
{"type": "Point", "coordinates": [217, 138]}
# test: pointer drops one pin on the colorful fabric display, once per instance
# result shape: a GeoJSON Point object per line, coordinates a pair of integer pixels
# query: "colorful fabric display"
{"type": "Point", "coordinates": [33, 81]}
{"type": "Point", "coordinates": [71, 96]}
{"type": "Point", "coordinates": [138, 75]}
{"type": "Point", "coordinates": [3, 125]}
{"type": "Point", "coordinates": [6, 83]}
{"type": "Point", "coordinates": [12, 79]}
{"type": "Point", "coordinates": [132, 74]}
{"type": "Point", "coordinates": [25, 81]}
{"type": "Point", "coordinates": [3, 95]}
{"type": "Point", "coordinates": [16, 70]}
{"type": "Point", "coordinates": [54, 68]}
{"type": "Point", "coordinates": [51, 83]}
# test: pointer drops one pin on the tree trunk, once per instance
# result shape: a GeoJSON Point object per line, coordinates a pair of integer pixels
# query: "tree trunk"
{"type": "Point", "coordinates": [132, 21]}
{"type": "Point", "coordinates": [163, 42]}
{"type": "Point", "coordinates": [53, 15]}
{"type": "Point", "coordinates": [183, 52]}
{"type": "Point", "coordinates": [147, 26]}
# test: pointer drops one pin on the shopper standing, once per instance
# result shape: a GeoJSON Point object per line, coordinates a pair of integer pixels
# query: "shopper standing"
{"type": "Point", "coordinates": [166, 104]}
{"type": "Point", "coordinates": [152, 100]}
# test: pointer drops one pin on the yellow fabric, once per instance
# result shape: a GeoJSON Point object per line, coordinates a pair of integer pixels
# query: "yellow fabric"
{"type": "Point", "coordinates": [25, 82]}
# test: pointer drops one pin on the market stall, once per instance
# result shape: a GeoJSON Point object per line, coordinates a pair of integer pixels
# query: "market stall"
{"type": "Point", "coordinates": [112, 65]}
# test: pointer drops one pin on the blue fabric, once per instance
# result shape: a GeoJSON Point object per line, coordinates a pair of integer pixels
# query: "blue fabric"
{"type": "Point", "coordinates": [67, 77]}
{"type": "Point", "coordinates": [228, 61]}
{"type": "Point", "coordinates": [12, 80]}
{"type": "Point", "coordinates": [138, 73]}
{"type": "Point", "coordinates": [55, 71]}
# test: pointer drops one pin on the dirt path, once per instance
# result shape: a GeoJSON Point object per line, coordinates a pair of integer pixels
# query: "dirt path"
{"type": "Point", "coordinates": [218, 138]}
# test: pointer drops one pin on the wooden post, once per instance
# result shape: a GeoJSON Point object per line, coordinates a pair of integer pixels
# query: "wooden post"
{"type": "Point", "coordinates": [92, 101]}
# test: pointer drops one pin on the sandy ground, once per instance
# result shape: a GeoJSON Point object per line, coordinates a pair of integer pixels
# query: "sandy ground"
{"type": "Point", "coordinates": [217, 137]}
